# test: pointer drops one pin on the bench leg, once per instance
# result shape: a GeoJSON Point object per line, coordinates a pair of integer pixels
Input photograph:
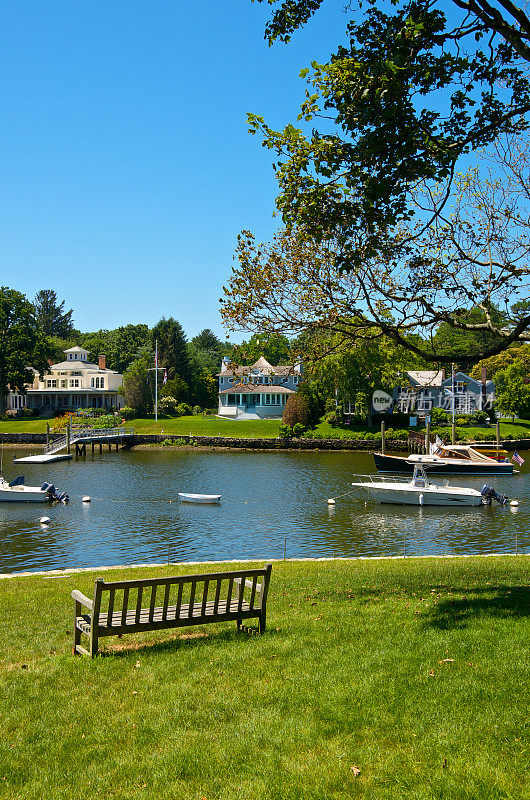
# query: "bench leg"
{"type": "Point", "coordinates": [261, 623]}
{"type": "Point", "coordinates": [239, 622]}
{"type": "Point", "coordinates": [93, 650]}
{"type": "Point", "coordinates": [77, 632]}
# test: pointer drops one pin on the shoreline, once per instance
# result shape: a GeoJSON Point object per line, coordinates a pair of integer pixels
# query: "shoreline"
{"type": "Point", "coordinates": [217, 443]}
{"type": "Point", "coordinates": [56, 573]}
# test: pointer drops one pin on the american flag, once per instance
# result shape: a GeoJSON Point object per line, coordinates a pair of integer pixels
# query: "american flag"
{"type": "Point", "coordinates": [517, 458]}
{"type": "Point", "coordinates": [165, 376]}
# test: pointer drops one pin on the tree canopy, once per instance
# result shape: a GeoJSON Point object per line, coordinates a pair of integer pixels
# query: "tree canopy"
{"type": "Point", "coordinates": [51, 316]}
{"type": "Point", "coordinates": [372, 173]}
{"type": "Point", "coordinates": [22, 344]}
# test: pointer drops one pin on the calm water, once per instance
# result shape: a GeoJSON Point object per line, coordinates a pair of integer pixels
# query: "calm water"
{"type": "Point", "coordinates": [270, 500]}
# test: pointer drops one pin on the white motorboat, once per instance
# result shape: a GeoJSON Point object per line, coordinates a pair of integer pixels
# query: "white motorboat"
{"type": "Point", "coordinates": [185, 497]}
{"type": "Point", "coordinates": [421, 492]}
{"type": "Point", "coordinates": [18, 492]}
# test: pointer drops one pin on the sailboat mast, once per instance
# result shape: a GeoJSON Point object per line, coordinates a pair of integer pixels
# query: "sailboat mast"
{"type": "Point", "coordinates": [156, 380]}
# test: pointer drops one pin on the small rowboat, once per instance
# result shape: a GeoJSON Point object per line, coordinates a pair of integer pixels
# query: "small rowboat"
{"type": "Point", "coordinates": [199, 498]}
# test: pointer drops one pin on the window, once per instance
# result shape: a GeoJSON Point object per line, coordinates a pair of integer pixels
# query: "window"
{"type": "Point", "coordinates": [460, 386]}
{"type": "Point", "coordinates": [48, 384]}
{"type": "Point", "coordinates": [63, 384]}
{"type": "Point", "coordinates": [92, 382]}
{"type": "Point", "coordinates": [74, 383]}
{"type": "Point", "coordinates": [102, 383]}
{"type": "Point", "coordinates": [54, 384]}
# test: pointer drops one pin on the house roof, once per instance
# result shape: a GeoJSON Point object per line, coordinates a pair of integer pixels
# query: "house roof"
{"type": "Point", "coordinates": [263, 365]}
{"type": "Point", "coordinates": [252, 388]}
{"type": "Point", "coordinates": [80, 365]}
{"type": "Point", "coordinates": [428, 377]}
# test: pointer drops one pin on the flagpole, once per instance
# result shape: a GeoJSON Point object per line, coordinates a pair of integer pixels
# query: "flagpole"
{"type": "Point", "coordinates": [156, 380]}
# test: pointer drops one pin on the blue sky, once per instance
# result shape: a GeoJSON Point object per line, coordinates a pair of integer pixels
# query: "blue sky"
{"type": "Point", "coordinates": [126, 166]}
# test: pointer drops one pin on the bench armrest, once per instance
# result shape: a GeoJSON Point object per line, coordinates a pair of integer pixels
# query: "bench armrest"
{"type": "Point", "coordinates": [81, 598]}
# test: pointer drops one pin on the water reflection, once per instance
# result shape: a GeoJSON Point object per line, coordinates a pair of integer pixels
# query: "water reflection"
{"type": "Point", "coordinates": [271, 501]}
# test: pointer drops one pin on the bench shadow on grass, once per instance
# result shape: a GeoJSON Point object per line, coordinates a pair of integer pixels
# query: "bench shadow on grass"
{"type": "Point", "coordinates": [177, 642]}
{"type": "Point", "coordinates": [501, 602]}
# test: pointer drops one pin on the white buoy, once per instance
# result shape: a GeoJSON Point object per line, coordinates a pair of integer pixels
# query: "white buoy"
{"type": "Point", "coordinates": [421, 499]}
{"type": "Point", "coordinates": [331, 502]}
{"type": "Point", "coordinates": [85, 499]}
{"type": "Point", "coordinates": [514, 503]}
{"type": "Point", "coordinates": [45, 520]}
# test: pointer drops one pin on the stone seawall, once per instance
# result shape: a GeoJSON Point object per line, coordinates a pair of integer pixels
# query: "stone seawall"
{"type": "Point", "coordinates": [362, 445]}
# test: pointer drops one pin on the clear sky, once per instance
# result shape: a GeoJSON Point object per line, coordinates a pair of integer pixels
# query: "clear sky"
{"type": "Point", "coordinates": [126, 166]}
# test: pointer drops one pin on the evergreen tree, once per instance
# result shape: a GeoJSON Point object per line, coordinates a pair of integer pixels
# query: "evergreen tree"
{"type": "Point", "coordinates": [52, 318]}
{"type": "Point", "coordinates": [172, 349]}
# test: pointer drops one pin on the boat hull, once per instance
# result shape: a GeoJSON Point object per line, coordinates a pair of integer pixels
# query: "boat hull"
{"type": "Point", "coordinates": [24, 494]}
{"type": "Point", "coordinates": [401, 464]}
{"type": "Point", "coordinates": [414, 497]}
{"type": "Point", "coordinates": [199, 498]}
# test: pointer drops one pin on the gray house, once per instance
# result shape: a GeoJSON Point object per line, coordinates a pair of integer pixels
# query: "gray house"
{"type": "Point", "coordinates": [259, 391]}
{"type": "Point", "coordinates": [421, 391]}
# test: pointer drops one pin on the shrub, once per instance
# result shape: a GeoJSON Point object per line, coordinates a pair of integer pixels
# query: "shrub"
{"type": "Point", "coordinates": [296, 410]}
{"type": "Point", "coordinates": [197, 409]}
{"type": "Point", "coordinates": [106, 421]}
{"type": "Point", "coordinates": [480, 416]}
{"type": "Point", "coordinates": [168, 405]}
{"type": "Point", "coordinates": [298, 429]}
{"type": "Point", "coordinates": [334, 417]}
{"type": "Point", "coordinates": [127, 412]}
{"type": "Point", "coordinates": [438, 415]}
{"type": "Point", "coordinates": [285, 431]}
{"type": "Point", "coordinates": [183, 410]}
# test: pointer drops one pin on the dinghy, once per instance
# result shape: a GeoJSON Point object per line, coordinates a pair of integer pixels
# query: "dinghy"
{"type": "Point", "coordinates": [185, 497]}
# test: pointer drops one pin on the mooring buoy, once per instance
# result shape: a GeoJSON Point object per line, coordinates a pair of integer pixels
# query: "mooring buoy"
{"type": "Point", "coordinates": [45, 520]}
{"type": "Point", "coordinates": [85, 499]}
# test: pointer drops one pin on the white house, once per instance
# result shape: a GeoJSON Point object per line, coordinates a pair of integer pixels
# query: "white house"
{"type": "Point", "coordinates": [257, 391]}
{"type": "Point", "coordinates": [75, 383]}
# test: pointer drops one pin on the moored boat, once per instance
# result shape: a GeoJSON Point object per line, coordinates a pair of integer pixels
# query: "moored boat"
{"type": "Point", "coordinates": [186, 497]}
{"type": "Point", "coordinates": [18, 492]}
{"type": "Point", "coordinates": [419, 491]}
{"type": "Point", "coordinates": [454, 459]}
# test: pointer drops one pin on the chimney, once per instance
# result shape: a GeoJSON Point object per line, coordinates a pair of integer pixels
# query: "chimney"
{"type": "Point", "coordinates": [102, 362]}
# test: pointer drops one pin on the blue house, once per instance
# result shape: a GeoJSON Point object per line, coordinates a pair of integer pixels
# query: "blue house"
{"type": "Point", "coordinates": [256, 392]}
{"type": "Point", "coordinates": [421, 391]}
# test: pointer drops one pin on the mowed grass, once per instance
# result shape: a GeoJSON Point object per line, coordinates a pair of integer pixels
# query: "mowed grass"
{"type": "Point", "coordinates": [199, 425]}
{"type": "Point", "coordinates": [414, 672]}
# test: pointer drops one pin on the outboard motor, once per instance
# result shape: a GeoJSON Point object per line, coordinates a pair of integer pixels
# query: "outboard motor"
{"type": "Point", "coordinates": [54, 495]}
{"type": "Point", "coordinates": [488, 493]}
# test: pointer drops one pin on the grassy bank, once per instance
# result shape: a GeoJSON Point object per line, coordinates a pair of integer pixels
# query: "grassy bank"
{"type": "Point", "coordinates": [414, 672]}
{"type": "Point", "coordinates": [198, 425]}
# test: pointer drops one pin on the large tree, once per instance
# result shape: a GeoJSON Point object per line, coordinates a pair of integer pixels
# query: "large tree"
{"type": "Point", "coordinates": [172, 344]}
{"type": "Point", "coordinates": [417, 86]}
{"type": "Point", "coordinates": [51, 316]}
{"type": "Point", "coordinates": [22, 344]}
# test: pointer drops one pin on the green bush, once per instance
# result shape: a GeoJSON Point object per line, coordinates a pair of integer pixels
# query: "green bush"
{"type": "Point", "coordinates": [481, 417]}
{"type": "Point", "coordinates": [127, 412]}
{"type": "Point", "coordinates": [438, 415]}
{"type": "Point", "coordinates": [106, 421]}
{"type": "Point", "coordinates": [285, 431]}
{"type": "Point", "coordinates": [298, 429]}
{"type": "Point", "coordinates": [334, 417]}
{"type": "Point", "coordinates": [168, 405]}
{"type": "Point", "coordinates": [197, 409]}
{"type": "Point", "coordinates": [183, 410]}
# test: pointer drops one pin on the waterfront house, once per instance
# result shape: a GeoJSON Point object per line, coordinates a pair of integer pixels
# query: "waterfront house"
{"type": "Point", "coordinates": [76, 383]}
{"type": "Point", "coordinates": [421, 391]}
{"type": "Point", "coordinates": [259, 391]}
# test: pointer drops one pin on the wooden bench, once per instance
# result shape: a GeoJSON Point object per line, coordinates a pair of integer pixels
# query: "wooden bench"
{"type": "Point", "coordinates": [129, 606]}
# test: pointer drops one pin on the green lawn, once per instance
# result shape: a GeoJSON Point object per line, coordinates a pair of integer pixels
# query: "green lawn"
{"type": "Point", "coordinates": [198, 425]}
{"type": "Point", "coordinates": [414, 672]}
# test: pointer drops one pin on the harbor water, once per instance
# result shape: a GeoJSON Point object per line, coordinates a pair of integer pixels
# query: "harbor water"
{"type": "Point", "coordinates": [273, 504]}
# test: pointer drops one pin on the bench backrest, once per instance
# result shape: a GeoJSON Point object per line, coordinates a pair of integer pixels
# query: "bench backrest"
{"type": "Point", "coordinates": [213, 592]}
